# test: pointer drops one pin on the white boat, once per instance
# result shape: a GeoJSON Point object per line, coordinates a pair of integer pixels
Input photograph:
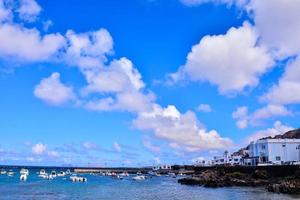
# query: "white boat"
{"type": "Point", "coordinates": [23, 177]}
{"type": "Point", "coordinates": [139, 173]}
{"type": "Point", "coordinates": [124, 174]}
{"type": "Point", "coordinates": [139, 178]}
{"type": "Point", "coordinates": [157, 174]}
{"type": "Point", "coordinates": [42, 172]}
{"type": "Point", "coordinates": [68, 172]}
{"type": "Point", "coordinates": [24, 171]}
{"type": "Point", "coordinates": [49, 177]}
{"type": "Point", "coordinates": [61, 173]}
{"type": "Point", "coordinates": [3, 171]}
{"type": "Point", "coordinates": [53, 174]}
{"type": "Point", "coordinates": [173, 175]}
{"type": "Point", "coordinates": [78, 179]}
{"type": "Point", "coordinates": [10, 173]}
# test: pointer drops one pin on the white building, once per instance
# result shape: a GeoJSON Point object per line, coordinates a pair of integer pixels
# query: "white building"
{"type": "Point", "coordinates": [227, 160]}
{"type": "Point", "coordinates": [162, 167]}
{"type": "Point", "coordinates": [273, 151]}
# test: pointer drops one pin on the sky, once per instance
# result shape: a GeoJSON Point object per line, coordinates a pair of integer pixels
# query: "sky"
{"type": "Point", "coordinates": [144, 82]}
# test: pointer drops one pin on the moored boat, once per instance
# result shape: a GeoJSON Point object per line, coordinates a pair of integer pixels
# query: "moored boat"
{"type": "Point", "coordinates": [61, 173]}
{"type": "Point", "coordinates": [10, 173]}
{"type": "Point", "coordinates": [3, 171]}
{"type": "Point", "coordinates": [24, 171]}
{"type": "Point", "coordinates": [139, 178]}
{"type": "Point", "coordinates": [23, 177]}
{"type": "Point", "coordinates": [53, 174]}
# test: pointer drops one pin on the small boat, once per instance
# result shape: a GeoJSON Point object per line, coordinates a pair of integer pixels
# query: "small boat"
{"type": "Point", "coordinates": [49, 177]}
{"type": "Point", "coordinates": [173, 175]}
{"type": "Point", "coordinates": [10, 173]}
{"type": "Point", "coordinates": [139, 178]}
{"type": "Point", "coordinates": [53, 174]}
{"type": "Point", "coordinates": [68, 172]}
{"type": "Point", "coordinates": [24, 171]}
{"type": "Point", "coordinates": [78, 179]}
{"type": "Point", "coordinates": [139, 173]}
{"type": "Point", "coordinates": [23, 177]}
{"type": "Point", "coordinates": [3, 171]}
{"type": "Point", "coordinates": [43, 174]}
{"type": "Point", "coordinates": [124, 174]}
{"type": "Point", "coordinates": [61, 173]}
{"type": "Point", "coordinates": [157, 174]}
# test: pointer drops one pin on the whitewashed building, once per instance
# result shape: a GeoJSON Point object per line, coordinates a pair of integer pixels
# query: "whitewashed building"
{"type": "Point", "coordinates": [162, 167]}
{"type": "Point", "coordinates": [273, 151]}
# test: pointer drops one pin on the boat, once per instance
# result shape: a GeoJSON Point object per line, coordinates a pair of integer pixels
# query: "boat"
{"type": "Point", "coordinates": [24, 171]}
{"type": "Point", "coordinates": [53, 174]}
{"type": "Point", "coordinates": [173, 175]}
{"type": "Point", "coordinates": [61, 173]}
{"type": "Point", "coordinates": [3, 171]}
{"type": "Point", "coordinates": [139, 173]}
{"type": "Point", "coordinates": [68, 172]}
{"type": "Point", "coordinates": [43, 174]}
{"type": "Point", "coordinates": [23, 177]}
{"type": "Point", "coordinates": [139, 178]}
{"type": "Point", "coordinates": [10, 173]}
{"type": "Point", "coordinates": [158, 174]}
{"type": "Point", "coordinates": [78, 179]}
{"type": "Point", "coordinates": [49, 177]}
{"type": "Point", "coordinates": [124, 174]}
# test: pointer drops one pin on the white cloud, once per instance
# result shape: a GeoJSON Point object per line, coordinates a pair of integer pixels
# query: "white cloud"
{"type": "Point", "coordinates": [232, 61]}
{"type": "Point", "coordinates": [278, 24]}
{"type": "Point", "coordinates": [271, 110]}
{"type": "Point", "coordinates": [241, 114]}
{"type": "Point", "coordinates": [288, 87]}
{"type": "Point", "coordinates": [183, 129]}
{"type": "Point", "coordinates": [47, 24]}
{"type": "Point", "coordinates": [52, 91]}
{"type": "Point", "coordinates": [117, 147]}
{"type": "Point", "coordinates": [89, 146]}
{"type": "Point", "coordinates": [204, 108]}
{"type": "Point", "coordinates": [148, 145]}
{"type": "Point", "coordinates": [29, 10]}
{"type": "Point", "coordinates": [122, 85]}
{"type": "Point", "coordinates": [87, 50]}
{"type": "Point", "coordinates": [228, 2]}
{"type": "Point", "coordinates": [278, 129]}
{"type": "Point", "coordinates": [27, 44]}
{"type": "Point", "coordinates": [39, 149]}
{"type": "Point", "coordinates": [120, 75]}
{"type": "Point", "coordinates": [5, 13]}
{"type": "Point", "coordinates": [54, 154]}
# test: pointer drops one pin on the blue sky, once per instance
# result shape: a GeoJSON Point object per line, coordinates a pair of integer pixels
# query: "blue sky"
{"type": "Point", "coordinates": [137, 82]}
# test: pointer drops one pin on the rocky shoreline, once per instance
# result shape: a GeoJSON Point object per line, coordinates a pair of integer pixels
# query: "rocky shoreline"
{"type": "Point", "coordinates": [221, 177]}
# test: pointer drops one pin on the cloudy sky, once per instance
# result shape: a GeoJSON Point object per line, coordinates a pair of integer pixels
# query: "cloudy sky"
{"type": "Point", "coordinates": [142, 82]}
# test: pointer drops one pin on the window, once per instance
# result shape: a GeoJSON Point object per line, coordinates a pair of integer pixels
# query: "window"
{"type": "Point", "coordinates": [278, 158]}
{"type": "Point", "coordinates": [283, 145]}
{"type": "Point", "coordinates": [263, 146]}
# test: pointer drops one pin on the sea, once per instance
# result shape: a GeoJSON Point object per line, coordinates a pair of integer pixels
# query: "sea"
{"type": "Point", "coordinates": [108, 188]}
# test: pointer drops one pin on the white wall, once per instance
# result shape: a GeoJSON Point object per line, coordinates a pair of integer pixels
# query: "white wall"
{"type": "Point", "coordinates": [275, 147]}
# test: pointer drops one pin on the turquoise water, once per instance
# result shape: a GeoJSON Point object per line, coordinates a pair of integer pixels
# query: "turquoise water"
{"type": "Point", "coordinates": [101, 187]}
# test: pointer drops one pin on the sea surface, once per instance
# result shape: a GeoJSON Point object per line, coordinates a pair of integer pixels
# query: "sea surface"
{"type": "Point", "coordinates": [106, 188]}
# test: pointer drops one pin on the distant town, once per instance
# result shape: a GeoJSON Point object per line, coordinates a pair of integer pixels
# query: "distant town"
{"type": "Point", "coordinates": [278, 150]}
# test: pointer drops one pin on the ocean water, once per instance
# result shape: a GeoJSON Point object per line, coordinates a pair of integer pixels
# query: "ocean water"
{"type": "Point", "coordinates": [106, 188]}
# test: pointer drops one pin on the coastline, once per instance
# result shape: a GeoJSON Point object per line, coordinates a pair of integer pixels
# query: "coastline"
{"type": "Point", "coordinates": [279, 179]}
